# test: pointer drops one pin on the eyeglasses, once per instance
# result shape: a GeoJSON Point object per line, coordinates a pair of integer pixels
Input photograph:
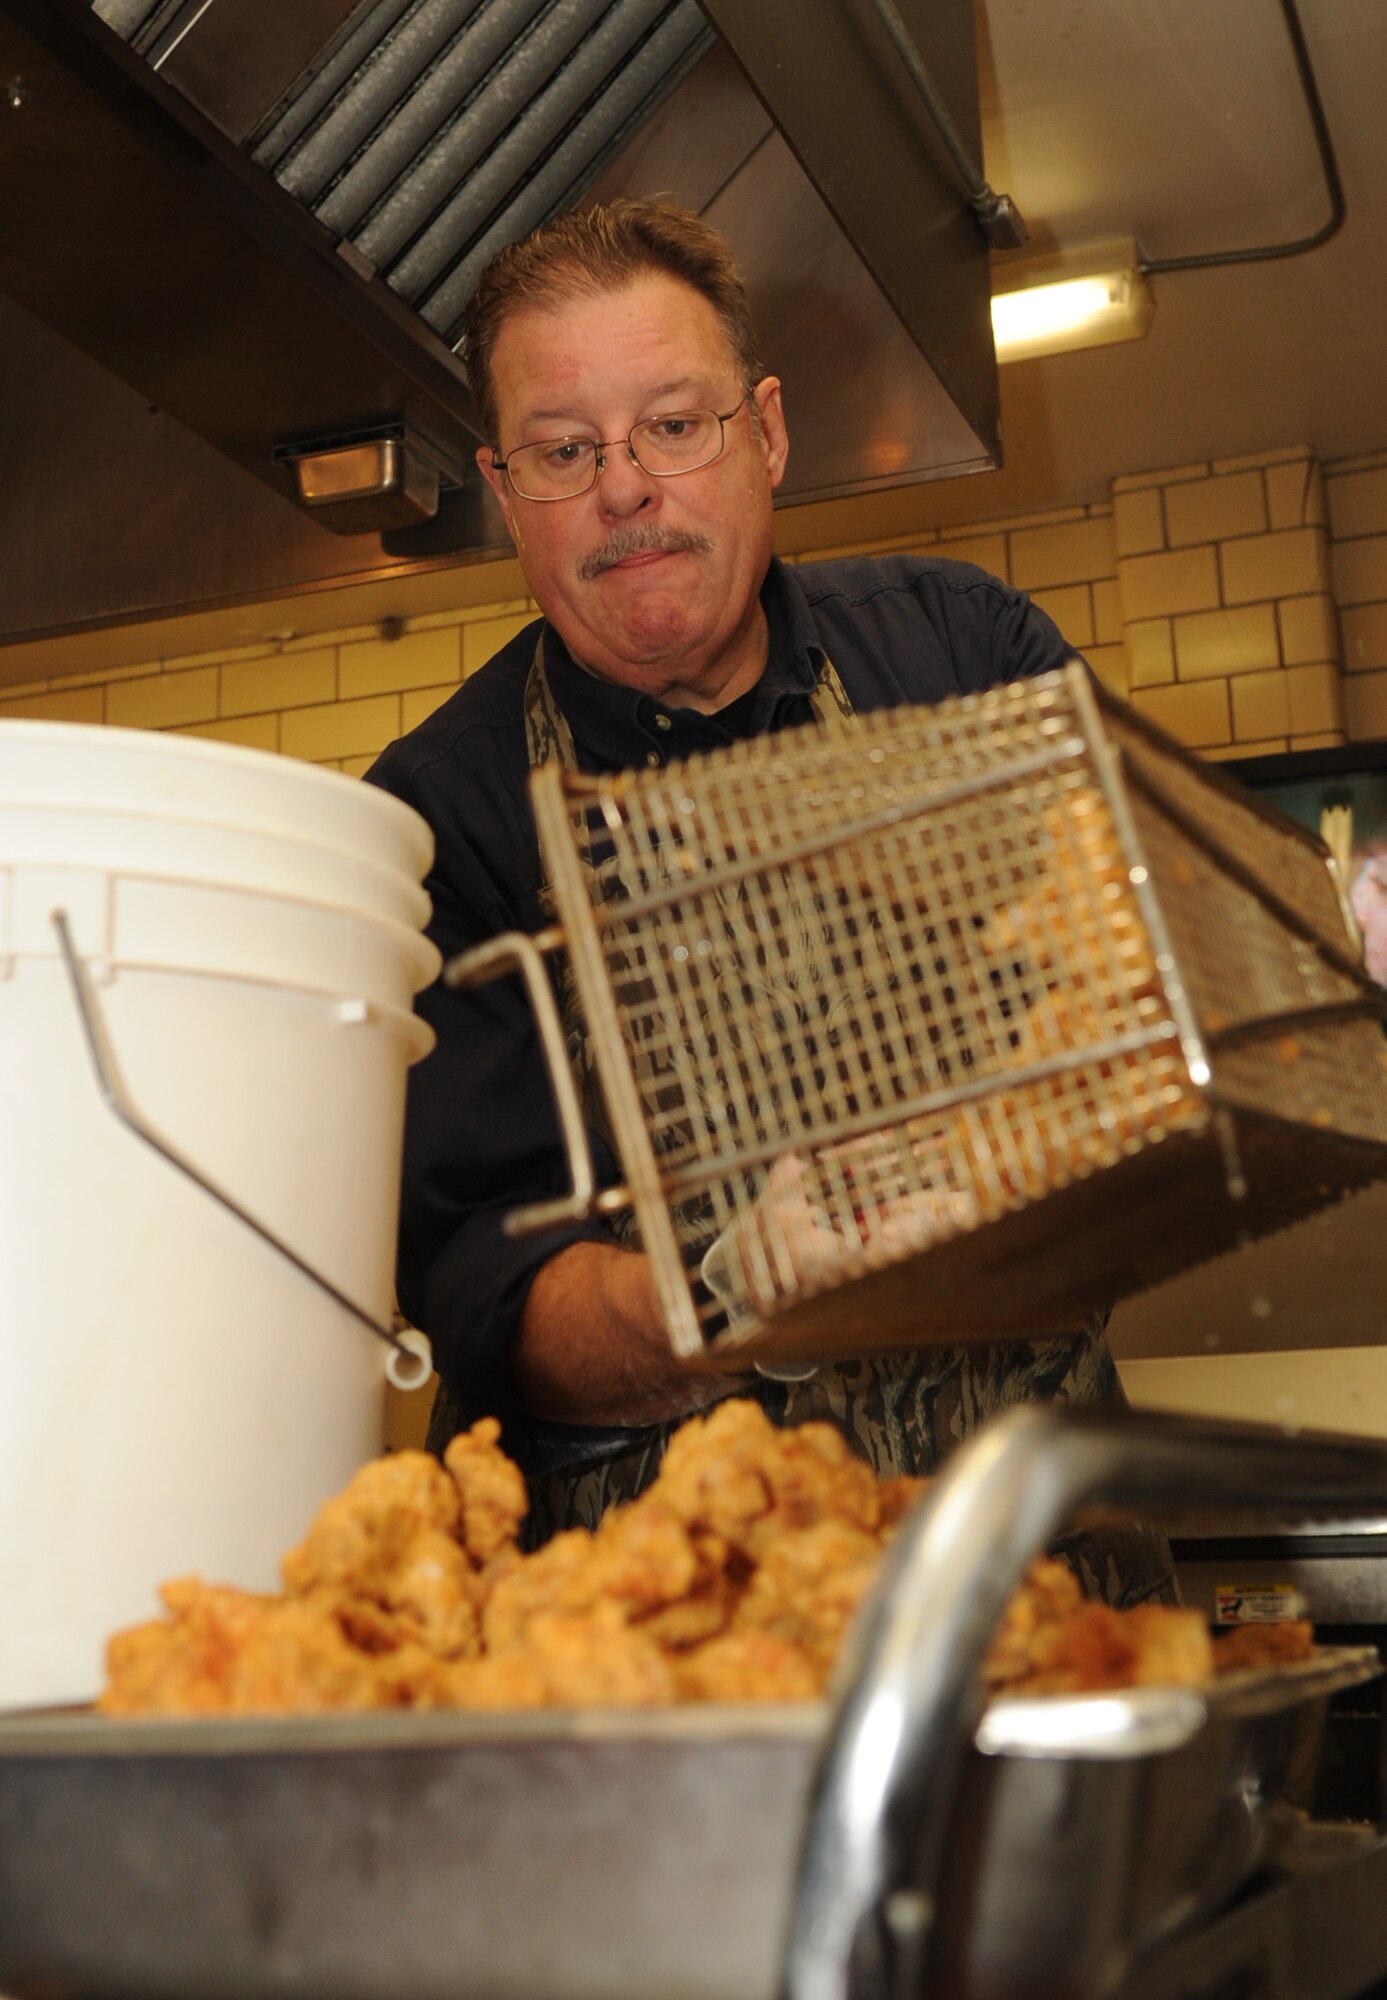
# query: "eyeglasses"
{"type": "Point", "coordinates": [562, 468]}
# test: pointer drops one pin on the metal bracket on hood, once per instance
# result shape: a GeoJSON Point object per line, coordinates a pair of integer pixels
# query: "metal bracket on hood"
{"type": "Point", "coordinates": [368, 487]}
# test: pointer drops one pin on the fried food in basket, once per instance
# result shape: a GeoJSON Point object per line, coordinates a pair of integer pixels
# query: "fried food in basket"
{"type": "Point", "coordinates": [734, 1578]}
{"type": "Point", "coordinates": [1250, 1647]}
{"type": "Point", "coordinates": [1057, 1022]}
{"type": "Point", "coordinates": [1091, 978]}
{"type": "Point", "coordinates": [1083, 1646]}
{"type": "Point", "coordinates": [225, 1650]}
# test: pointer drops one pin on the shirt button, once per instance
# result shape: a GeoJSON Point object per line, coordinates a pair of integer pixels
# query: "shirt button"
{"type": "Point", "coordinates": [654, 759]}
{"type": "Point", "coordinates": [663, 721]}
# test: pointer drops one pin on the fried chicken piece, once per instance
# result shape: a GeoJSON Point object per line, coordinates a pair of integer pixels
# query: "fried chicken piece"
{"type": "Point", "coordinates": [747, 1526]}
{"type": "Point", "coordinates": [1053, 1640]}
{"type": "Point", "coordinates": [640, 1559]}
{"type": "Point", "coordinates": [807, 1588]}
{"type": "Point", "coordinates": [492, 1490]}
{"type": "Point", "coordinates": [712, 1598]}
{"type": "Point", "coordinates": [410, 1676]}
{"type": "Point", "coordinates": [747, 1666]}
{"type": "Point", "coordinates": [694, 1620]}
{"type": "Point", "coordinates": [570, 1659]}
{"type": "Point", "coordinates": [229, 1652]}
{"type": "Point", "coordinates": [382, 1505]}
{"type": "Point", "coordinates": [896, 1497]}
{"type": "Point", "coordinates": [1251, 1646]}
{"type": "Point", "coordinates": [391, 1539]}
{"type": "Point", "coordinates": [733, 1474]}
{"type": "Point", "coordinates": [296, 1660]}
{"type": "Point", "coordinates": [178, 1665]}
{"type": "Point", "coordinates": [1048, 1594]}
{"type": "Point", "coordinates": [1171, 1645]}
{"type": "Point", "coordinates": [494, 1683]}
{"type": "Point", "coordinates": [709, 1476]}
{"type": "Point", "coordinates": [814, 1477]}
{"type": "Point", "coordinates": [1096, 1647]}
{"type": "Point", "coordinates": [734, 1578]}
{"type": "Point", "coordinates": [597, 1657]}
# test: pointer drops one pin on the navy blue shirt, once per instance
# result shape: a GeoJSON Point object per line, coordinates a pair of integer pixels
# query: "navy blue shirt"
{"type": "Point", "coordinates": [481, 1137]}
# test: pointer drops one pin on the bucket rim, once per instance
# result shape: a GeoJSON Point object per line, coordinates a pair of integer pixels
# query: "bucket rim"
{"type": "Point", "coordinates": [411, 945]}
{"type": "Point", "coordinates": [290, 772]}
{"type": "Point", "coordinates": [400, 888]}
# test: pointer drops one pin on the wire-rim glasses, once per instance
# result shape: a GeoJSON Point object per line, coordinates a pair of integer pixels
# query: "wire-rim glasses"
{"type": "Point", "coordinates": [563, 468]}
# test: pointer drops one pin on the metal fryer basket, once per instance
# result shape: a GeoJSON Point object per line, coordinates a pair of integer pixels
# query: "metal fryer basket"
{"type": "Point", "coordinates": [949, 1023]}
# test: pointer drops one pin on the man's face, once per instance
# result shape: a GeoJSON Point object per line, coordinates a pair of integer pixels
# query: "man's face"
{"type": "Point", "coordinates": [650, 582]}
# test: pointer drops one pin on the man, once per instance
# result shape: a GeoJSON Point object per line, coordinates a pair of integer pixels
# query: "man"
{"type": "Point", "coordinates": [637, 448]}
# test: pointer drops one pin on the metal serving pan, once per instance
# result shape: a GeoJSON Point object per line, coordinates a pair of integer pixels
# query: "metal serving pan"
{"type": "Point", "coordinates": [593, 1855]}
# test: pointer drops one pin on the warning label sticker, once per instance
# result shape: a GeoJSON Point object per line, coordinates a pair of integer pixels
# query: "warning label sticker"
{"type": "Point", "coordinates": [1257, 1603]}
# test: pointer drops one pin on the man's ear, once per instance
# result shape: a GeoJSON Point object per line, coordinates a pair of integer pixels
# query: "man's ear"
{"type": "Point", "coordinates": [500, 486]}
{"type": "Point", "coordinates": [774, 436]}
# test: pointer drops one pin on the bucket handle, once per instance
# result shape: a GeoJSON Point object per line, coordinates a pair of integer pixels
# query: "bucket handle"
{"type": "Point", "coordinates": [411, 1359]}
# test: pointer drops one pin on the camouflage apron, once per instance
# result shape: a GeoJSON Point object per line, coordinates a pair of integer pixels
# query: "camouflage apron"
{"type": "Point", "coordinates": [905, 1411]}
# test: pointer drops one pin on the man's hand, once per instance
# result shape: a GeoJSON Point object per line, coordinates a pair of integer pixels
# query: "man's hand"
{"type": "Point", "coordinates": [786, 1240]}
{"type": "Point", "coordinates": [592, 1347]}
{"type": "Point", "coordinates": [780, 1241]}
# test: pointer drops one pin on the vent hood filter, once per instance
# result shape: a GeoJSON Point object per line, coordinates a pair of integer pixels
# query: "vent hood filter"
{"type": "Point", "coordinates": [432, 132]}
{"type": "Point", "coordinates": [267, 222]}
{"type": "Point", "coordinates": [462, 127]}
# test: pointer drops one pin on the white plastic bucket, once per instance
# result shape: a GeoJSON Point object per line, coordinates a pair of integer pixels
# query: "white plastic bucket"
{"type": "Point", "coordinates": [174, 1395]}
{"type": "Point", "coordinates": [193, 783]}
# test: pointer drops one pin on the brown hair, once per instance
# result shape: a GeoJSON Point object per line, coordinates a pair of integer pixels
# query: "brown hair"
{"type": "Point", "coordinates": [600, 249]}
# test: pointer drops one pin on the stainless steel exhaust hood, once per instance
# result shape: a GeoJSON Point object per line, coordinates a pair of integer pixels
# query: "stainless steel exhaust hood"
{"type": "Point", "coordinates": [266, 222]}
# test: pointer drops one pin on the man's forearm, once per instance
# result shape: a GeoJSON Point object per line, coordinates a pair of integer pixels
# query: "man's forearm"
{"type": "Point", "coordinates": [592, 1348]}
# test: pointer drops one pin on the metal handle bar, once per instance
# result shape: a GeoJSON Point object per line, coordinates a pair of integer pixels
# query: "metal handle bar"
{"type": "Point", "coordinates": [910, 1692]}
{"type": "Point", "coordinates": [517, 951]}
{"type": "Point", "coordinates": [411, 1358]}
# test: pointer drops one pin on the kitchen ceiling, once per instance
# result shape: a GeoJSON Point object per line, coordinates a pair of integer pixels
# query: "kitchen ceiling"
{"type": "Point", "coordinates": [1183, 124]}
{"type": "Point", "coordinates": [1175, 122]}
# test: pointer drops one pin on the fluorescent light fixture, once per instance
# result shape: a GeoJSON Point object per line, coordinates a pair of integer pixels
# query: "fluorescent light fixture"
{"type": "Point", "coordinates": [1073, 299]}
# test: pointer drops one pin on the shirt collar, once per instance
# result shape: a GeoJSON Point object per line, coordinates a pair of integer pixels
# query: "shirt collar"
{"type": "Point", "coordinates": [612, 721]}
{"type": "Point", "coordinates": [796, 659]}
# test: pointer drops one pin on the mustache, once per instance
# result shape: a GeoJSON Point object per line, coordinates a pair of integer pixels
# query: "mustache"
{"type": "Point", "coordinates": [641, 540]}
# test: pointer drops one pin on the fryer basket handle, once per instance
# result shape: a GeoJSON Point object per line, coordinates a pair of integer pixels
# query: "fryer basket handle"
{"type": "Point", "coordinates": [517, 951]}
{"type": "Point", "coordinates": [909, 1691]}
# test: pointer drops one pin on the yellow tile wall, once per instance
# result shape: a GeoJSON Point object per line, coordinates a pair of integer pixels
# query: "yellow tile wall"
{"type": "Point", "coordinates": [1232, 575]}
{"type": "Point", "coordinates": [1197, 713]}
{"type": "Point", "coordinates": [334, 698]}
{"type": "Point", "coordinates": [1173, 581]}
{"type": "Point", "coordinates": [1213, 510]}
{"type": "Point", "coordinates": [1241, 603]}
{"type": "Point", "coordinates": [1225, 642]}
{"type": "Point", "coordinates": [1357, 490]}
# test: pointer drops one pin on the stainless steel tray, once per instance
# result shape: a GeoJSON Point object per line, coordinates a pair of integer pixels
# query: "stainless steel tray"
{"type": "Point", "coordinates": [1091, 1829]}
{"type": "Point", "coordinates": [594, 1855]}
